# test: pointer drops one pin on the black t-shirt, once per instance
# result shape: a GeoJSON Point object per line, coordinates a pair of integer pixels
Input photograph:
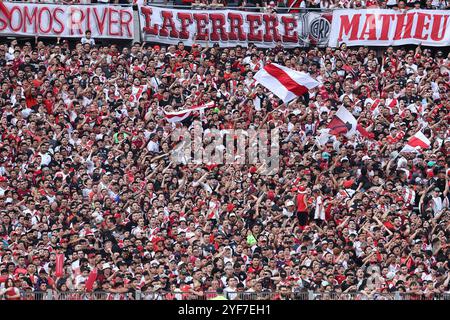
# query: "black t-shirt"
{"type": "Point", "coordinates": [439, 183]}
{"type": "Point", "coordinates": [409, 99]}
{"type": "Point", "coordinates": [178, 100]}
{"type": "Point", "coordinates": [365, 181]}
{"type": "Point", "coordinates": [25, 65]}
{"type": "Point", "coordinates": [164, 103]}
{"type": "Point", "coordinates": [402, 81]}
{"type": "Point", "coordinates": [130, 225]}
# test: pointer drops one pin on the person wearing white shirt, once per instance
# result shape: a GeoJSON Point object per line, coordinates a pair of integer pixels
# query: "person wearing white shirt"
{"type": "Point", "coordinates": [45, 159]}
{"type": "Point", "coordinates": [230, 290]}
{"type": "Point", "coordinates": [88, 38]}
{"type": "Point", "coordinates": [82, 277]}
{"type": "Point", "coordinates": [155, 81]}
{"type": "Point", "coordinates": [153, 144]}
{"type": "Point", "coordinates": [288, 211]}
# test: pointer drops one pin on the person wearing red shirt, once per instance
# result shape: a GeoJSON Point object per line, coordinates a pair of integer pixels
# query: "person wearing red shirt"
{"type": "Point", "coordinates": [11, 292]}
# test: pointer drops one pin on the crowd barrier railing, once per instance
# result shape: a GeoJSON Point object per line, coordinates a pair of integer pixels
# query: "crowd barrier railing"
{"type": "Point", "coordinates": [171, 4]}
{"type": "Point", "coordinates": [242, 296]}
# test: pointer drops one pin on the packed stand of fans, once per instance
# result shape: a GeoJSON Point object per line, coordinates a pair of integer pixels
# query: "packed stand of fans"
{"type": "Point", "coordinates": [85, 170]}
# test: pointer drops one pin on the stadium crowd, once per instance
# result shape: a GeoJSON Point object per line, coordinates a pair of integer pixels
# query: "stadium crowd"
{"type": "Point", "coordinates": [86, 172]}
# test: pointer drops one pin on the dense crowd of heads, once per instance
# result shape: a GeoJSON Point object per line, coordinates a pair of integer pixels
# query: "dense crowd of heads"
{"type": "Point", "coordinates": [85, 171]}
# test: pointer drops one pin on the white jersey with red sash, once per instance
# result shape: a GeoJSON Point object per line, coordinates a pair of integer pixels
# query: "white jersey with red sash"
{"type": "Point", "coordinates": [409, 196]}
{"type": "Point", "coordinates": [233, 86]}
{"type": "Point", "coordinates": [137, 91]}
{"type": "Point", "coordinates": [391, 103]}
{"type": "Point", "coordinates": [213, 210]}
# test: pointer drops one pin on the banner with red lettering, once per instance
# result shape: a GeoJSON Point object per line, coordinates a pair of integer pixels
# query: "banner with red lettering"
{"type": "Point", "coordinates": [229, 28]}
{"type": "Point", "coordinates": [47, 20]}
{"type": "Point", "coordinates": [380, 27]}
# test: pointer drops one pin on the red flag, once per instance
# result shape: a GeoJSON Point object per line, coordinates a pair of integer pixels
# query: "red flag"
{"type": "Point", "coordinates": [91, 279]}
{"type": "Point", "coordinates": [364, 132]}
{"type": "Point", "coordinates": [59, 265]}
{"type": "Point", "coordinates": [5, 10]}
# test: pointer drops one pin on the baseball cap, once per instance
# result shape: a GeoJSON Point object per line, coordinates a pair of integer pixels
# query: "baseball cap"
{"type": "Point", "coordinates": [289, 203]}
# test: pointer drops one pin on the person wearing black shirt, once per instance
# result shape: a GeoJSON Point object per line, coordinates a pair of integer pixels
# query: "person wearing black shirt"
{"type": "Point", "coordinates": [166, 100]}
{"type": "Point", "coordinates": [177, 97]}
{"type": "Point", "coordinates": [409, 97]}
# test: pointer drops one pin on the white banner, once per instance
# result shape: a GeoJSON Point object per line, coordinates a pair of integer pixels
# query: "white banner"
{"type": "Point", "coordinates": [380, 27]}
{"type": "Point", "coordinates": [231, 27]}
{"type": "Point", "coordinates": [48, 20]}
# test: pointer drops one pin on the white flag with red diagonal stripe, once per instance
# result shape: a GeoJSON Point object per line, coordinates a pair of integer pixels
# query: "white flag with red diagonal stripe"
{"type": "Point", "coordinates": [178, 116]}
{"type": "Point", "coordinates": [416, 143]}
{"type": "Point", "coordinates": [286, 83]}
{"type": "Point", "coordinates": [345, 123]}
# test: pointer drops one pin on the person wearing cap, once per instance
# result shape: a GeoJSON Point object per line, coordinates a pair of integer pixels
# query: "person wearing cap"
{"type": "Point", "coordinates": [289, 208]}
{"type": "Point", "coordinates": [439, 201]}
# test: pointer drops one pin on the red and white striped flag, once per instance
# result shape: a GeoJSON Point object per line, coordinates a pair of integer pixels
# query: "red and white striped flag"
{"type": "Point", "coordinates": [286, 83]}
{"type": "Point", "coordinates": [178, 116]}
{"type": "Point", "coordinates": [416, 143]}
{"type": "Point", "coordinates": [294, 6]}
{"type": "Point", "coordinates": [345, 123]}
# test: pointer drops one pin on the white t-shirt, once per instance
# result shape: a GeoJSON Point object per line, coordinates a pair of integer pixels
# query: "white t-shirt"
{"type": "Point", "coordinates": [153, 146]}
{"type": "Point", "coordinates": [91, 41]}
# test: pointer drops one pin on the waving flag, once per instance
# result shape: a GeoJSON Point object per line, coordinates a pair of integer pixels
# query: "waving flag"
{"type": "Point", "coordinates": [294, 6]}
{"type": "Point", "coordinates": [178, 116]}
{"type": "Point", "coordinates": [324, 136]}
{"type": "Point", "coordinates": [416, 143]}
{"type": "Point", "coordinates": [286, 83]}
{"type": "Point", "coordinates": [91, 279]}
{"type": "Point", "coordinates": [59, 271]}
{"type": "Point", "coordinates": [345, 123]}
